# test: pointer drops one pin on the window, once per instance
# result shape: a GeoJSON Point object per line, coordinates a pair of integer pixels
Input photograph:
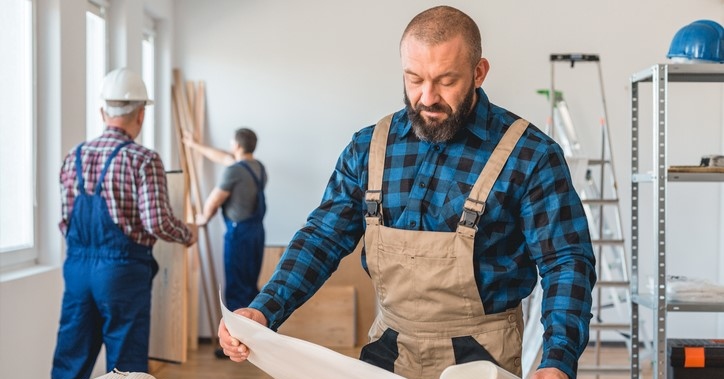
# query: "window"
{"type": "Point", "coordinates": [96, 68]}
{"type": "Point", "coordinates": [17, 134]}
{"type": "Point", "coordinates": [148, 56]}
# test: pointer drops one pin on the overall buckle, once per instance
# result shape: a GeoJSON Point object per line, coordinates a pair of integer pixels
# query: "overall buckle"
{"type": "Point", "coordinates": [373, 199]}
{"type": "Point", "coordinates": [472, 211]}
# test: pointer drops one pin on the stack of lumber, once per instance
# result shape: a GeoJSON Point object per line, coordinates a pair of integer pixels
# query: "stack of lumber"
{"type": "Point", "coordinates": [189, 117]}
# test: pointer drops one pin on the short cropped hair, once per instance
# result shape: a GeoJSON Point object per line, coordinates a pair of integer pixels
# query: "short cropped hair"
{"type": "Point", "coordinates": [441, 24]}
{"type": "Point", "coordinates": [246, 139]}
{"type": "Point", "coordinates": [120, 108]}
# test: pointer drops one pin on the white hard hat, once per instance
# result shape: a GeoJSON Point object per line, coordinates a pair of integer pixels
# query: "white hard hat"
{"type": "Point", "coordinates": [123, 84]}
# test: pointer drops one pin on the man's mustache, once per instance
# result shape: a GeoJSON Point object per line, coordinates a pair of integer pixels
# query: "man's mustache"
{"type": "Point", "coordinates": [433, 108]}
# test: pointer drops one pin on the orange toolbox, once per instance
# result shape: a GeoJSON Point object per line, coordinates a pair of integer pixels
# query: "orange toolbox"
{"type": "Point", "coordinates": [695, 358]}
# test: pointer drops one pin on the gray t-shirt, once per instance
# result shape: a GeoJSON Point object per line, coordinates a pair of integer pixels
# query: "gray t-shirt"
{"type": "Point", "coordinates": [236, 179]}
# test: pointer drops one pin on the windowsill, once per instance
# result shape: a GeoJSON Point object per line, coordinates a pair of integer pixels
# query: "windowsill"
{"type": "Point", "coordinates": [25, 272]}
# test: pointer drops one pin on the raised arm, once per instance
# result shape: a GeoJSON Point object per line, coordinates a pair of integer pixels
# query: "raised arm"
{"type": "Point", "coordinates": [215, 155]}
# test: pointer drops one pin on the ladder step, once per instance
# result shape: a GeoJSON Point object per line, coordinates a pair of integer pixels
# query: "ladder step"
{"type": "Point", "coordinates": [607, 242]}
{"type": "Point", "coordinates": [598, 162]}
{"type": "Point", "coordinates": [600, 201]}
{"type": "Point", "coordinates": [609, 326]}
{"type": "Point", "coordinates": [605, 369]}
{"type": "Point", "coordinates": [574, 58]}
{"type": "Point", "coordinates": [613, 283]}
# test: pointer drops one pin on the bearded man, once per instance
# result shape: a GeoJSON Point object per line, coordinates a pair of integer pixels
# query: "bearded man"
{"type": "Point", "coordinates": [461, 205]}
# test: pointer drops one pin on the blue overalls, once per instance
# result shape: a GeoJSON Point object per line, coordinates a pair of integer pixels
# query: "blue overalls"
{"type": "Point", "coordinates": [244, 250]}
{"type": "Point", "coordinates": [107, 298]}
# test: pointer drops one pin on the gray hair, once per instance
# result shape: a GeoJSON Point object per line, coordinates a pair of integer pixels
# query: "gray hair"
{"type": "Point", "coordinates": [115, 108]}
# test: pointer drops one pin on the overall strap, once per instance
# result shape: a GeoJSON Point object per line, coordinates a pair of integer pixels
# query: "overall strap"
{"type": "Point", "coordinates": [79, 168]}
{"type": "Point", "coordinates": [115, 151]}
{"type": "Point", "coordinates": [475, 203]}
{"type": "Point", "coordinates": [263, 177]}
{"type": "Point", "coordinates": [259, 182]}
{"type": "Point", "coordinates": [378, 149]}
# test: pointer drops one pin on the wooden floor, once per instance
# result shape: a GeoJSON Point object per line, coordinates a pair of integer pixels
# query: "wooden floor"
{"type": "Point", "coordinates": [202, 364]}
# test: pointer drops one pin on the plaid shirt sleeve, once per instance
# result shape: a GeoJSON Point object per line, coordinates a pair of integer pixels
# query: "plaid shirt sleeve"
{"type": "Point", "coordinates": [66, 192]}
{"type": "Point", "coordinates": [556, 232]}
{"type": "Point", "coordinates": [153, 204]}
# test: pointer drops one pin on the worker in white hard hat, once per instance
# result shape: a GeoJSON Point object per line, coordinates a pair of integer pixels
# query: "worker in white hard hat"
{"type": "Point", "coordinates": [115, 206]}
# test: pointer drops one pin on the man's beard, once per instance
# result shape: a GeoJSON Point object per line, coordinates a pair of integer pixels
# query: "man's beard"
{"type": "Point", "coordinates": [439, 131]}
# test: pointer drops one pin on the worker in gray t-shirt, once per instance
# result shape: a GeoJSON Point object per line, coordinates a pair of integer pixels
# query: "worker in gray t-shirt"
{"type": "Point", "coordinates": [240, 194]}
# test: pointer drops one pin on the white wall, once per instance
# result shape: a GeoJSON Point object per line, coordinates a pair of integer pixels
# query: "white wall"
{"type": "Point", "coordinates": [307, 75]}
{"type": "Point", "coordinates": [29, 323]}
{"type": "Point", "coordinates": [30, 299]}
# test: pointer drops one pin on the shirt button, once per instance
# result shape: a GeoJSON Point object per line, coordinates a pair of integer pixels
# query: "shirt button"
{"type": "Point", "coordinates": [437, 147]}
{"type": "Point", "coordinates": [422, 184]}
{"type": "Point", "coordinates": [413, 223]}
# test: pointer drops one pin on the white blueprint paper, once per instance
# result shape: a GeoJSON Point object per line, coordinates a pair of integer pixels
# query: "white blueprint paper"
{"type": "Point", "coordinates": [285, 357]}
{"type": "Point", "coordinates": [476, 370]}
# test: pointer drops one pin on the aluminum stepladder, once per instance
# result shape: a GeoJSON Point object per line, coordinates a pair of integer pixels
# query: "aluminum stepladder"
{"type": "Point", "coordinates": [594, 178]}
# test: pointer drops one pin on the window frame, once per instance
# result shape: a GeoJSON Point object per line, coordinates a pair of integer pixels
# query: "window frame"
{"type": "Point", "coordinates": [100, 10]}
{"type": "Point", "coordinates": [148, 134]}
{"type": "Point", "coordinates": [27, 255]}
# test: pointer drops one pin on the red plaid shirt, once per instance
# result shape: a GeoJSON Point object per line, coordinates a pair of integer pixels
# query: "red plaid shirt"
{"type": "Point", "coordinates": [134, 189]}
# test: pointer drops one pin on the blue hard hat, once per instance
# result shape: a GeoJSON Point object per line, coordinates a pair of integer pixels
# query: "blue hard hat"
{"type": "Point", "coordinates": [701, 40]}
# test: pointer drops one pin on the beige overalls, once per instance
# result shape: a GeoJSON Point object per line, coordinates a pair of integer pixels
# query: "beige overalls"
{"type": "Point", "coordinates": [430, 312]}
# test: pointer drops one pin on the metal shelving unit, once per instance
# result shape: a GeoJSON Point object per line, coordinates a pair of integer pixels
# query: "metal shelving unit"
{"type": "Point", "coordinates": [660, 75]}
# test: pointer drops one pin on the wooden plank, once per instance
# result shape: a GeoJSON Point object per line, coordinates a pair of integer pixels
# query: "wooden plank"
{"type": "Point", "coordinates": [183, 121]}
{"type": "Point", "coordinates": [697, 169]}
{"type": "Point", "coordinates": [168, 297]}
{"type": "Point", "coordinates": [191, 94]}
{"type": "Point", "coordinates": [196, 108]}
{"type": "Point", "coordinates": [327, 319]}
{"type": "Point", "coordinates": [186, 123]}
{"type": "Point", "coordinates": [200, 111]}
{"type": "Point", "coordinates": [192, 253]}
{"type": "Point", "coordinates": [196, 101]}
{"type": "Point", "coordinates": [192, 296]}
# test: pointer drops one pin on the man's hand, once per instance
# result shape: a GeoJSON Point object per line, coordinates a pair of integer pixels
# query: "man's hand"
{"type": "Point", "coordinates": [201, 220]}
{"type": "Point", "coordinates": [549, 373]}
{"type": "Point", "coordinates": [233, 348]}
{"type": "Point", "coordinates": [189, 139]}
{"type": "Point", "coordinates": [194, 234]}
